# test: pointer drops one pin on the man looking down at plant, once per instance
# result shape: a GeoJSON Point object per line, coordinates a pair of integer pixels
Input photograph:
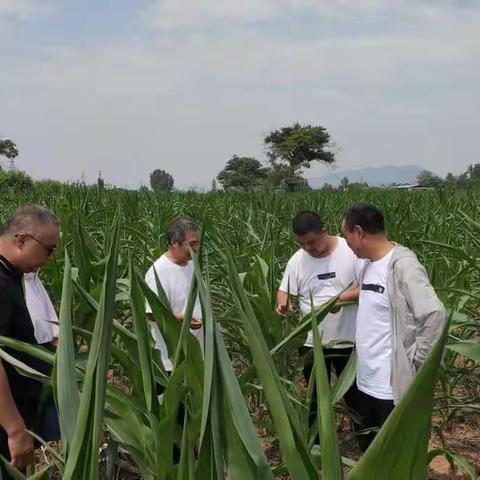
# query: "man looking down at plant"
{"type": "Point", "coordinates": [399, 317]}
{"type": "Point", "coordinates": [175, 272]}
{"type": "Point", "coordinates": [322, 268]}
{"type": "Point", "coordinates": [27, 240]}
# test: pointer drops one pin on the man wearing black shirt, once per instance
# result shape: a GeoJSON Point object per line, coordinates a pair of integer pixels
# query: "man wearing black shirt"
{"type": "Point", "coordinates": [27, 240]}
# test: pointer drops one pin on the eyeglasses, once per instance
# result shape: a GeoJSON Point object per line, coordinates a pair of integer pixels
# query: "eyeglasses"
{"type": "Point", "coordinates": [48, 248]}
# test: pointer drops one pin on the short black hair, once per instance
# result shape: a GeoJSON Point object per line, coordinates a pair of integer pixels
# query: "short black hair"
{"type": "Point", "coordinates": [307, 221]}
{"type": "Point", "coordinates": [368, 217]}
{"type": "Point", "coordinates": [179, 228]}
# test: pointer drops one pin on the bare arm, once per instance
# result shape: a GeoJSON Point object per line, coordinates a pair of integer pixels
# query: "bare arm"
{"type": "Point", "coordinates": [20, 443]}
{"type": "Point", "coordinates": [282, 299]}
{"type": "Point", "coordinates": [351, 295]}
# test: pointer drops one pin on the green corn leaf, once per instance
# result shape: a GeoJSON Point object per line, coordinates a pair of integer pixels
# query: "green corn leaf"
{"type": "Point", "coordinates": [82, 461]}
{"type": "Point", "coordinates": [64, 376]}
{"type": "Point", "coordinates": [142, 331]}
{"type": "Point", "coordinates": [454, 459]}
{"type": "Point", "coordinates": [467, 348]}
{"type": "Point", "coordinates": [399, 450]}
{"type": "Point", "coordinates": [23, 368]}
{"type": "Point", "coordinates": [294, 449]}
{"type": "Point", "coordinates": [241, 427]}
{"type": "Point", "coordinates": [346, 379]}
{"type": "Point", "coordinates": [330, 453]}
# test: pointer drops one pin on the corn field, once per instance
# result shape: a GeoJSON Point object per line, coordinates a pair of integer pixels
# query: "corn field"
{"type": "Point", "coordinates": [243, 399]}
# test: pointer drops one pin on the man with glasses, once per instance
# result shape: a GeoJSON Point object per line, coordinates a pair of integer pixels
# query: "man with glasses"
{"type": "Point", "coordinates": [27, 240]}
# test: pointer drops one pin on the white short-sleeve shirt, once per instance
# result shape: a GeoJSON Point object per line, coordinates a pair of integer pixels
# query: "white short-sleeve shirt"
{"type": "Point", "coordinates": [374, 335]}
{"type": "Point", "coordinates": [324, 278]}
{"type": "Point", "coordinates": [176, 281]}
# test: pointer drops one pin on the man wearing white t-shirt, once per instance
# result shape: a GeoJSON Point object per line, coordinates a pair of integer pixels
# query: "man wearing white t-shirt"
{"type": "Point", "coordinates": [175, 272]}
{"type": "Point", "coordinates": [399, 317]}
{"type": "Point", "coordinates": [322, 268]}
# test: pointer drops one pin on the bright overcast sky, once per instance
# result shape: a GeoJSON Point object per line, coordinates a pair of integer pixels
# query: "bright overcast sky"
{"type": "Point", "coordinates": [127, 86]}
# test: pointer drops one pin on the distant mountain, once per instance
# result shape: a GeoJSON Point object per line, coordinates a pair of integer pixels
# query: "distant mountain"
{"type": "Point", "coordinates": [372, 175]}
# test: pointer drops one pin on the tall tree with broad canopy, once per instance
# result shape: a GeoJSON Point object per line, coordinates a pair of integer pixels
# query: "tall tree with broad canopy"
{"type": "Point", "coordinates": [428, 179]}
{"type": "Point", "coordinates": [242, 172]}
{"type": "Point", "coordinates": [291, 149]}
{"type": "Point", "coordinates": [161, 181]}
{"type": "Point", "coordinates": [8, 149]}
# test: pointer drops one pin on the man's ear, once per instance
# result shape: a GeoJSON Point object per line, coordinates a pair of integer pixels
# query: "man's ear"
{"type": "Point", "coordinates": [358, 231]}
{"type": "Point", "coordinates": [19, 240]}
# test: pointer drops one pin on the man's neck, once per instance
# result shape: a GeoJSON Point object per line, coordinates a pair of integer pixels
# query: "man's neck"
{"type": "Point", "coordinates": [5, 252]}
{"type": "Point", "coordinates": [380, 246]}
{"type": "Point", "coordinates": [175, 259]}
{"type": "Point", "coordinates": [332, 242]}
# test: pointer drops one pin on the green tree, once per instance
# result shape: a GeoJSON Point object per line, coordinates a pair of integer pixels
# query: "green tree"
{"type": "Point", "coordinates": [462, 179]}
{"type": "Point", "coordinates": [161, 181]}
{"type": "Point", "coordinates": [242, 172]}
{"type": "Point", "coordinates": [327, 187]}
{"type": "Point", "coordinates": [282, 177]}
{"type": "Point", "coordinates": [291, 149]}
{"type": "Point", "coordinates": [474, 171]}
{"type": "Point", "coordinates": [450, 178]}
{"type": "Point", "coordinates": [358, 185]}
{"type": "Point", "coordinates": [344, 183]}
{"type": "Point", "coordinates": [8, 149]}
{"type": "Point", "coordinates": [16, 181]}
{"type": "Point", "coordinates": [428, 179]}
{"type": "Point", "coordinates": [100, 181]}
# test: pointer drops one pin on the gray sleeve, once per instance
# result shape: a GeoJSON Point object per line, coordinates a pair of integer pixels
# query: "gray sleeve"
{"type": "Point", "coordinates": [428, 311]}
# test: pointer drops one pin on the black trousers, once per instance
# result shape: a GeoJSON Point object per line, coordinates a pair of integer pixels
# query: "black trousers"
{"type": "Point", "coordinates": [335, 360]}
{"type": "Point", "coordinates": [372, 412]}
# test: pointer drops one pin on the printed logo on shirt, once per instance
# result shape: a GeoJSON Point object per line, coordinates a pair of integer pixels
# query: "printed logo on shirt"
{"type": "Point", "coordinates": [373, 288]}
{"type": "Point", "coordinates": [326, 276]}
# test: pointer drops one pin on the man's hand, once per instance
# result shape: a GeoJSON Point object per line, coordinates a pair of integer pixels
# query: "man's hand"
{"type": "Point", "coordinates": [350, 295]}
{"type": "Point", "coordinates": [196, 323]}
{"type": "Point", "coordinates": [283, 299]}
{"type": "Point", "coordinates": [20, 445]}
{"type": "Point", "coordinates": [281, 309]}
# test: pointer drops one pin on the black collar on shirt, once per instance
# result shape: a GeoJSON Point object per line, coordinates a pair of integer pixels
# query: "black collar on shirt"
{"type": "Point", "coordinates": [8, 268]}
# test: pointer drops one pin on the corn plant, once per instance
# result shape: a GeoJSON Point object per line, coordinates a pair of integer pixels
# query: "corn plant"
{"type": "Point", "coordinates": [106, 391]}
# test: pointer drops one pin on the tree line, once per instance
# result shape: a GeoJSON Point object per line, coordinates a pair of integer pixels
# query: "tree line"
{"type": "Point", "coordinates": [290, 151]}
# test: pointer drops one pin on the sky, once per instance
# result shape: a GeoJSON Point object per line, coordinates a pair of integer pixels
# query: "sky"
{"type": "Point", "coordinates": [128, 86]}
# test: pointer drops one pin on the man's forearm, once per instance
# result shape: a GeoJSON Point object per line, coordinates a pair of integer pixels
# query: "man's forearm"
{"type": "Point", "coordinates": [282, 297]}
{"type": "Point", "coordinates": [351, 295]}
{"type": "Point", "coordinates": [10, 418]}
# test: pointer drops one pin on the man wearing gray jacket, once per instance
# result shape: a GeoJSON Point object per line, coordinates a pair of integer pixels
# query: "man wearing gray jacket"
{"type": "Point", "coordinates": [398, 321]}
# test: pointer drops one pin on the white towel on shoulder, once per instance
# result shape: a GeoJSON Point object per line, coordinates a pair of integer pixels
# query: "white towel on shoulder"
{"type": "Point", "coordinates": [40, 308]}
